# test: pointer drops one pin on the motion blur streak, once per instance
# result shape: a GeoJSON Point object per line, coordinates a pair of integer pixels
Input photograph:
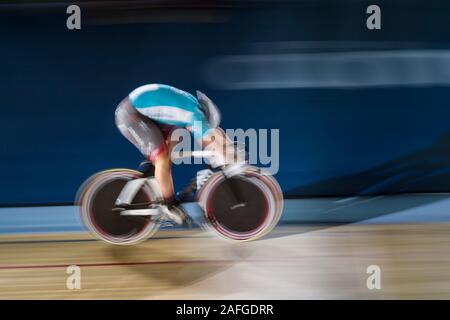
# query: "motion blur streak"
{"type": "Point", "coordinates": [332, 70]}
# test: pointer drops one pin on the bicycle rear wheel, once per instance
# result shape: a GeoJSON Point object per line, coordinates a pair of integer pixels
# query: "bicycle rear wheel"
{"type": "Point", "coordinates": [96, 202]}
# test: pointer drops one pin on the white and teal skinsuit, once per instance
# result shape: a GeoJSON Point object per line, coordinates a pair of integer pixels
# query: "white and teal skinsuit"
{"type": "Point", "coordinates": [150, 113]}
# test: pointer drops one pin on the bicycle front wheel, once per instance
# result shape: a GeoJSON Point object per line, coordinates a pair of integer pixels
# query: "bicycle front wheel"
{"type": "Point", "coordinates": [243, 207]}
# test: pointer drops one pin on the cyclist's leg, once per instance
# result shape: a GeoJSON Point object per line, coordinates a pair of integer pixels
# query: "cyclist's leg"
{"type": "Point", "coordinates": [163, 174]}
{"type": "Point", "coordinates": [163, 165]}
{"type": "Point", "coordinates": [148, 138]}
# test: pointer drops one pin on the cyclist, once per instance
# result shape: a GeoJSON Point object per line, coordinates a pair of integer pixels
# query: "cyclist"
{"type": "Point", "coordinates": [147, 117]}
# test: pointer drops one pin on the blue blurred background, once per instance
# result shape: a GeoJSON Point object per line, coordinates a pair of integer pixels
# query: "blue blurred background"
{"type": "Point", "coordinates": [360, 112]}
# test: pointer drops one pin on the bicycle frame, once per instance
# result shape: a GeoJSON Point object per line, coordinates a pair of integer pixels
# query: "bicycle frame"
{"type": "Point", "coordinates": [132, 187]}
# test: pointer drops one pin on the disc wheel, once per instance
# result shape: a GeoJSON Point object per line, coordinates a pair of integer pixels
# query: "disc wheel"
{"type": "Point", "coordinates": [243, 207]}
{"type": "Point", "coordinates": [96, 201]}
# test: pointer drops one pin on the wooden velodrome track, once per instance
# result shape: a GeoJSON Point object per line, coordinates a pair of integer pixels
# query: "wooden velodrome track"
{"type": "Point", "coordinates": [291, 263]}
